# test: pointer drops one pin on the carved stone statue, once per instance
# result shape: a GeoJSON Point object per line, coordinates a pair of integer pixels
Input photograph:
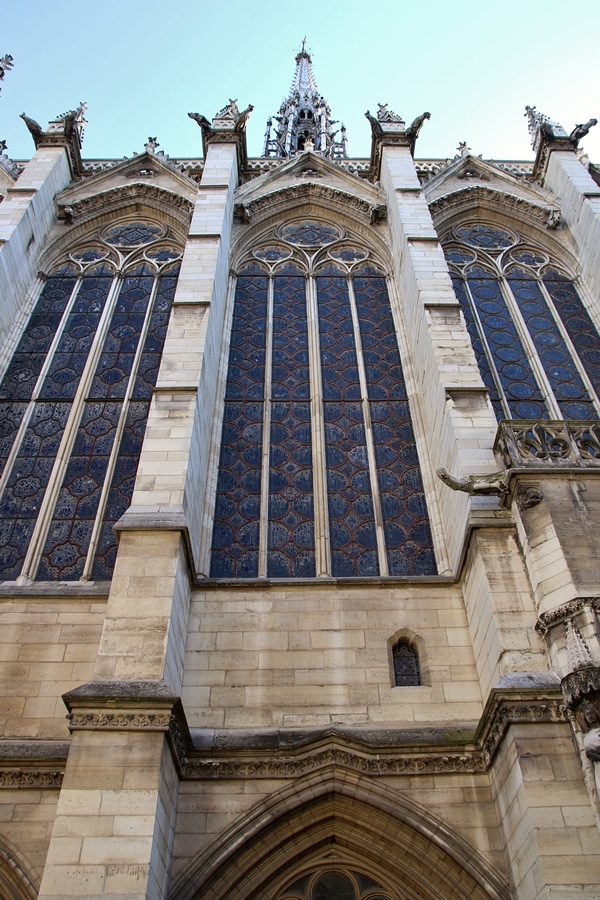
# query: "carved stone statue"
{"type": "Point", "coordinates": [151, 145]}
{"type": "Point", "coordinates": [6, 63]}
{"type": "Point", "coordinates": [580, 131]}
{"type": "Point", "coordinates": [35, 129]}
{"type": "Point", "coordinates": [387, 115]}
{"type": "Point", "coordinates": [203, 122]}
{"type": "Point", "coordinates": [495, 483]}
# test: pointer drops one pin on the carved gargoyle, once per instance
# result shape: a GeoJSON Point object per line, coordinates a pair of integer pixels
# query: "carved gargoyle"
{"type": "Point", "coordinates": [35, 129]}
{"type": "Point", "coordinates": [376, 129]}
{"type": "Point", "coordinates": [203, 122]}
{"type": "Point", "coordinates": [495, 483]}
{"type": "Point", "coordinates": [580, 131]}
{"type": "Point", "coordinates": [242, 119]}
{"type": "Point", "coordinates": [412, 132]}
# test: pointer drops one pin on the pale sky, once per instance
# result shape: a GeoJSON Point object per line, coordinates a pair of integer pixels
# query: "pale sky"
{"type": "Point", "coordinates": [143, 65]}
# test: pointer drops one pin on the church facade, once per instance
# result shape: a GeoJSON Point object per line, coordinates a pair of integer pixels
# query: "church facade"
{"type": "Point", "coordinates": [299, 478]}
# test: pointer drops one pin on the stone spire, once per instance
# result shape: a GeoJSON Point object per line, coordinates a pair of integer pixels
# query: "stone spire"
{"type": "Point", "coordinates": [304, 119]}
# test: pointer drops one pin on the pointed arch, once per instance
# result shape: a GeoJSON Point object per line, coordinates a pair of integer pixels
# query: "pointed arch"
{"type": "Point", "coordinates": [15, 881]}
{"type": "Point", "coordinates": [336, 817]}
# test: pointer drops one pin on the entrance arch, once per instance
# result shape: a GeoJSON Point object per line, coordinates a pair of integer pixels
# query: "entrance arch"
{"type": "Point", "coordinates": [335, 820]}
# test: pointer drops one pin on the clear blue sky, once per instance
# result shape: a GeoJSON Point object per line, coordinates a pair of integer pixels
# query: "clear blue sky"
{"type": "Point", "coordinates": [143, 65]}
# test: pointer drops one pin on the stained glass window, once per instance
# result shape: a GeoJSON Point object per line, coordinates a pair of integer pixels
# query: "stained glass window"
{"type": "Point", "coordinates": [78, 389]}
{"type": "Point", "coordinates": [536, 345]}
{"type": "Point", "coordinates": [318, 471]}
{"type": "Point", "coordinates": [334, 884]}
{"type": "Point", "coordinates": [407, 672]}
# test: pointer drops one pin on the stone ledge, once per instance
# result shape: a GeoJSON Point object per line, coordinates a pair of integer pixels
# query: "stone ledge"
{"type": "Point", "coordinates": [533, 698]}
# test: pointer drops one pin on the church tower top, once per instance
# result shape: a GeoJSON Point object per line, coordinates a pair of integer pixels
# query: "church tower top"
{"type": "Point", "coordinates": [304, 119]}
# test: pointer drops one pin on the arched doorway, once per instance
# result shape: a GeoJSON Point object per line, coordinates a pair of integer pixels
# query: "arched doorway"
{"type": "Point", "coordinates": [370, 842]}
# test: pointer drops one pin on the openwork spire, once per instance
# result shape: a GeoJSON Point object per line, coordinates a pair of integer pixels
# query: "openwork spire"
{"type": "Point", "coordinates": [304, 119]}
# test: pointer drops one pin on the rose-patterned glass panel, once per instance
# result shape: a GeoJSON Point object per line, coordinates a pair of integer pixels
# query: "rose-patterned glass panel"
{"type": "Point", "coordinates": [310, 234]}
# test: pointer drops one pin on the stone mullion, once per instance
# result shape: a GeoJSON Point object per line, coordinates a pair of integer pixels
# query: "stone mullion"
{"type": "Point", "coordinates": [266, 438]}
{"type": "Point", "coordinates": [322, 542]}
{"type": "Point", "coordinates": [486, 347]}
{"type": "Point", "coordinates": [369, 440]}
{"type": "Point", "coordinates": [112, 462]}
{"type": "Point", "coordinates": [530, 349]}
{"type": "Point", "coordinates": [63, 456]}
{"type": "Point", "coordinates": [572, 351]}
{"type": "Point", "coordinates": [38, 386]}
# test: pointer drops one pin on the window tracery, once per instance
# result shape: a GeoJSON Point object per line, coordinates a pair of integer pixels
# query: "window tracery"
{"type": "Point", "coordinates": [341, 884]}
{"type": "Point", "coordinates": [75, 398]}
{"type": "Point", "coordinates": [318, 471]}
{"type": "Point", "coordinates": [537, 347]}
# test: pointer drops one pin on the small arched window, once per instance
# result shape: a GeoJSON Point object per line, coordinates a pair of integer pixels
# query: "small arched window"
{"type": "Point", "coordinates": [407, 671]}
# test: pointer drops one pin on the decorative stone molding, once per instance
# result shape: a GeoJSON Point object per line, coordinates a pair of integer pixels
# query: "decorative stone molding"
{"type": "Point", "coordinates": [368, 213]}
{"type": "Point", "coordinates": [480, 195]}
{"type": "Point", "coordinates": [566, 611]}
{"type": "Point", "coordinates": [30, 778]}
{"type": "Point", "coordinates": [529, 495]}
{"type": "Point", "coordinates": [126, 721]}
{"type": "Point", "coordinates": [548, 444]}
{"type": "Point", "coordinates": [581, 686]}
{"type": "Point", "coordinates": [89, 207]}
{"type": "Point", "coordinates": [366, 754]}
{"type": "Point", "coordinates": [147, 706]}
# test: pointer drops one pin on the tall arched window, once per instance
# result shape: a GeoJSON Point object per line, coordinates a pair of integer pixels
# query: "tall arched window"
{"type": "Point", "coordinates": [74, 402]}
{"type": "Point", "coordinates": [537, 347]}
{"type": "Point", "coordinates": [318, 470]}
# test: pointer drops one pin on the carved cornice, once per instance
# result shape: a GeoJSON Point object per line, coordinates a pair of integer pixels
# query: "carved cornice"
{"type": "Point", "coordinates": [30, 778]}
{"type": "Point", "coordinates": [116, 721]}
{"type": "Point", "coordinates": [383, 758]}
{"type": "Point", "coordinates": [544, 445]}
{"type": "Point", "coordinates": [559, 615]}
{"type": "Point", "coordinates": [89, 207]}
{"type": "Point", "coordinates": [368, 213]}
{"type": "Point", "coordinates": [480, 195]}
{"type": "Point", "coordinates": [581, 685]}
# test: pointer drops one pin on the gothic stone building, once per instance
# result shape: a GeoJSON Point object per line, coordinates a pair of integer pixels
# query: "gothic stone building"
{"type": "Point", "coordinates": [300, 483]}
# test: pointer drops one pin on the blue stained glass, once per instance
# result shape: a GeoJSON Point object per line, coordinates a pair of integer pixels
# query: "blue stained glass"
{"type": "Point", "coordinates": [68, 539]}
{"type": "Point", "coordinates": [578, 323]}
{"type": "Point", "coordinates": [121, 342]}
{"type": "Point", "coordinates": [29, 357]}
{"type": "Point", "coordinates": [480, 354]}
{"type": "Point", "coordinates": [121, 488]}
{"type": "Point", "coordinates": [236, 531]}
{"type": "Point", "coordinates": [565, 381]}
{"type": "Point", "coordinates": [246, 372]}
{"type": "Point", "coordinates": [290, 378]}
{"type": "Point", "coordinates": [11, 415]}
{"type": "Point", "coordinates": [311, 234]}
{"type": "Point", "coordinates": [71, 355]}
{"type": "Point", "coordinates": [27, 484]}
{"type": "Point", "coordinates": [339, 367]}
{"type": "Point", "coordinates": [484, 236]}
{"type": "Point", "coordinates": [351, 519]}
{"type": "Point", "coordinates": [291, 539]}
{"type": "Point", "coordinates": [524, 397]}
{"type": "Point", "coordinates": [385, 379]}
{"type": "Point", "coordinates": [132, 234]}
